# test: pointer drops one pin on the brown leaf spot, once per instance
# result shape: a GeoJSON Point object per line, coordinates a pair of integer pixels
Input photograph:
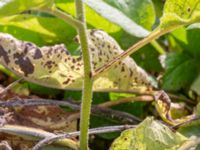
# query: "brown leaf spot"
{"type": "Point", "coordinates": [37, 54]}
{"type": "Point", "coordinates": [24, 63]}
{"type": "Point", "coordinates": [4, 54]}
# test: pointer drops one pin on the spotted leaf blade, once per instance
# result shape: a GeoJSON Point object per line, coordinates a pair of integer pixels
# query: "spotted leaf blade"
{"type": "Point", "coordinates": [179, 12]}
{"type": "Point", "coordinates": [54, 66]}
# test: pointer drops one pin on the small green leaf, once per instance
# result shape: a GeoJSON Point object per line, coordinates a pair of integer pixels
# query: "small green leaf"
{"type": "Point", "coordinates": [151, 135]}
{"type": "Point", "coordinates": [11, 7]}
{"type": "Point", "coordinates": [178, 12]}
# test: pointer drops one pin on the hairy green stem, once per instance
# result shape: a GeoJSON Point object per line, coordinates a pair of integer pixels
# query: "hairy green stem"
{"type": "Point", "coordinates": [80, 25]}
{"type": "Point", "coordinates": [87, 84]}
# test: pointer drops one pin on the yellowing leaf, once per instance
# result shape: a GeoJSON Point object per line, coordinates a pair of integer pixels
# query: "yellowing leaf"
{"type": "Point", "coordinates": [151, 135]}
{"type": "Point", "coordinates": [53, 66]}
{"type": "Point", "coordinates": [12, 7]}
{"type": "Point", "coordinates": [179, 12]}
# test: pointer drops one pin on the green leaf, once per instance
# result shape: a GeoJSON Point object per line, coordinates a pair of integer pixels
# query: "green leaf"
{"type": "Point", "coordinates": [181, 70]}
{"type": "Point", "coordinates": [178, 40]}
{"type": "Point", "coordinates": [191, 129]}
{"type": "Point", "coordinates": [158, 4]}
{"type": "Point", "coordinates": [132, 9]}
{"type": "Point", "coordinates": [11, 7]}
{"type": "Point", "coordinates": [151, 135]}
{"type": "Point", "coordinates": [138, 107]}
{"type": "Point", "coordinates": [129, 14]}
{"type": "Point", "coordinates": [93, 19]}
{"type": "Point", "coordinates": [55, 148]}
{"type": "Point", "coordinates": [188, 40]}
{"type": "Point", "coordinates": [40, 30]}
{"type": "Point", "coordinates": [186, 44]}
{"type": "Point", "coordinates": [178, 12]}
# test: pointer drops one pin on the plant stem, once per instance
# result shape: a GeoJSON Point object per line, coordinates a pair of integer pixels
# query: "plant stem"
{"type": "Point", "coordinates": [67, 18]}
{"type": "Point", "coordinates": [55, 138]}
{"type": "Point", "coordinates": [157, 46]}
{"type": "Point", "coordinates": [155, 34]}
{"type": "Point", "coordinates": [87, 84]}
{"type": "Point", "coordinates": [145, 98]}
{"type": "Point", "coordinates": [80, 25]}
{"type": "Point", "coordinates": [35, 134]}
{"type": "Point", "coordinates": [190, 144]}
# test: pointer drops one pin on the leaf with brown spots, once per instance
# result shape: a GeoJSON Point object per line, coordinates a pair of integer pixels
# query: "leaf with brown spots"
{"type": "Point", "coordinates": [53, 66]}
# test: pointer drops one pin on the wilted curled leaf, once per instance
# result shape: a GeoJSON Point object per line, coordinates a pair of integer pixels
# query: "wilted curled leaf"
{"type": "Point", "coordinates": [53, 66]}
{"type": "Point", "coordinates": [151, 135]}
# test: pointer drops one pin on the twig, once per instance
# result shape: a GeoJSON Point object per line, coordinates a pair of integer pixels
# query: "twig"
{"type": "Point", "coordinates": [181, 98]}
{"type": "Point", "coordinates": [122, 116]}
{"type": "Point", "coordinates": [152, 36]}
{"type": "Point", "coordinates": [109, 129]}
{"type": "Point", "coordinates": [2, 92]}
{"type": "Point", "coordinates": [35, 134]}
{"type": "Point", "coordinates": [36, 102]}
{"type": "Point", "coordinates": [5, 145]}
{"type": "Point", "coordinates": [127, 100]}
{"type": "Point", "coordinates": [190, 144]}
{"type": "Point", "coordinates": [60, 14]}
{"type": "Point", "coordinates": [86, 100]}
{"type": "Point", "coordinates": [186, 122]}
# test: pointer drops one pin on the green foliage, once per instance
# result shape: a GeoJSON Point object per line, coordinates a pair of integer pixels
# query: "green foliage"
{"type": "Point", "coordinates": [186, 44]}
{"type": "Point", "coordinates": [179, 12]}
{"type": "Point", "coordinates": [127, 13]}
{"type": "Point", "coordinates": [195, 86]}
{"type": "Point", "coordinates": [149, 134]}
{"type": "Point", "coordinates": [126, 21]}
{"type": "Point", "coordinates": [43, 30]}
{"type": "Point", "coordinates": [131, 9]}
{"type": "Point", "coordinates": [93, 19]}
{"type": "Point", "coordinates": [10, 7]}
{"type": "Point", "coordinates": [176, 76]}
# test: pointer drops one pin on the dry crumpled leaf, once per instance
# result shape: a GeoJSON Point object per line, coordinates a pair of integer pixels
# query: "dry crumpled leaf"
{"type": "Point", "coordinates": [49, 118]}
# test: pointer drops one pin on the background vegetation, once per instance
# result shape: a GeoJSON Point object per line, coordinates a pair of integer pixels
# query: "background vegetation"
{"type": "Point", "coordinates": [172, 59]}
